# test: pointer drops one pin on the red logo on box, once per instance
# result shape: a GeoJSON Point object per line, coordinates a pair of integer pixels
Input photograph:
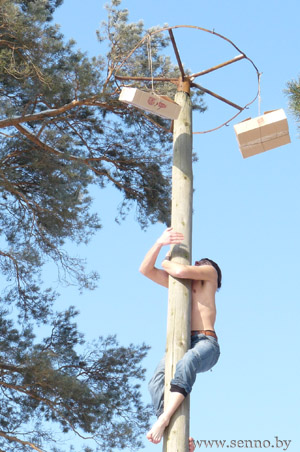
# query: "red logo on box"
{"type": "Point", "coordinates": [156, 103]}
{"type": "Point", "coordinates": [151, 100]}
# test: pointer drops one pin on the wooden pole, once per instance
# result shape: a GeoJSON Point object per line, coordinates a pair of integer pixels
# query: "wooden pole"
{"type": "Point", "coordinates": [179, 308]}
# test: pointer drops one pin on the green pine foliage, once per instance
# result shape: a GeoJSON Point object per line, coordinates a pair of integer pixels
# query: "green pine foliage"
{"type": "Point", "coordinates": [293, 92]}
{"type": "Point", "coordinates": [94, 394]}
{"type": "Point", "coordinates": [62, 130]}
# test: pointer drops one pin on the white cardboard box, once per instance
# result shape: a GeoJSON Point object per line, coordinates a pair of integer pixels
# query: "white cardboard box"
{"type": "Point", "coordinates": [263, 133]}
{"type": "Point", "coordinates": [159, 105]}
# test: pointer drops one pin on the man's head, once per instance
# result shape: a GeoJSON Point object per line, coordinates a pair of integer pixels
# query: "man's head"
{"type": "Point", "coordinates": [206, 261]}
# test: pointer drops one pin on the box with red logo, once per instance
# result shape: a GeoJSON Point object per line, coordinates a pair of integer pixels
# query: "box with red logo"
{"type": "Point", "coordinates": [263, 133]}
{"type": "Point", "coordinates": [159, 105]}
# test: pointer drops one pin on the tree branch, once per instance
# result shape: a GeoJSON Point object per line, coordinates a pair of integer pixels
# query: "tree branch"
{"type": "Point", "coordinates": [18, 440]}
{"type": "Point", "coordinates": [15, 263]}
{"type": "Point", "coordinates": [41, 115]}
{"type": "Point", "coordinates": [53, 112]}
{"type": "Point", "coordinates": [47, 402]}
{"type": "Point", "coordinates": [84, 161]}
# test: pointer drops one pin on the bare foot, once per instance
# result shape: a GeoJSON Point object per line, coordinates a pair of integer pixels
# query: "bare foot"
{"type": "Point", "coordinates": [192, 446]}
{"type": "Point", "coordinates": [156, 433]}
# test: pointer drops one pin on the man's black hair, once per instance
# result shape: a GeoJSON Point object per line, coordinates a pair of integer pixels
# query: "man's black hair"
{"type": "Point", "coordinates": [207, 261]}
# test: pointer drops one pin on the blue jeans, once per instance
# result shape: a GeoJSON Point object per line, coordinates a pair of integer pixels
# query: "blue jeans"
{"type": "Point", "coordinates": [202, 356]}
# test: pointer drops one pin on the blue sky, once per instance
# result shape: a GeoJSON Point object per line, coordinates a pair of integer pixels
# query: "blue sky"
{"type": "Point", "coordinates": [246, 218]}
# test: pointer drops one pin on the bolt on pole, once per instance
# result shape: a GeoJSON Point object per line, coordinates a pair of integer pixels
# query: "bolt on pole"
{"type": "Point", "coordinates": [179, 306]}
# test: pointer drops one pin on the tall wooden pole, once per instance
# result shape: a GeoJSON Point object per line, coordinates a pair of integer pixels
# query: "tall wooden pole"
{"type": "Point", "coordinates": [179, 308]}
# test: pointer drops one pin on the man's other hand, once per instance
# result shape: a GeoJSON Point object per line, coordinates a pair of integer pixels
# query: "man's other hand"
{"type": "Point", "coordinates": [170, 237]}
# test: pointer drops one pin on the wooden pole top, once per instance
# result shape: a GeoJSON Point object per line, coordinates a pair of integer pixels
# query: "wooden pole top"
{"type": "Point", "coordinates": [184, 85]}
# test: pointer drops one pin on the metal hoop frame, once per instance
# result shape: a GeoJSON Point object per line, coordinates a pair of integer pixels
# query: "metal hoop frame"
{"type": "Point", "coordinates": [192, 76]}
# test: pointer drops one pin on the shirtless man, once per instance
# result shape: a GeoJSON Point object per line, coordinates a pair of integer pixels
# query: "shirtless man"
{"type": "Point", "coordinates": [204, 352]}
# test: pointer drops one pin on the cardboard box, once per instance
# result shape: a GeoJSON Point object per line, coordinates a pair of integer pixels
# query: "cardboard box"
{"type": "Point", "coordinates": [159, 105]}
{"type": "Point", "coordinates": [263, 133]}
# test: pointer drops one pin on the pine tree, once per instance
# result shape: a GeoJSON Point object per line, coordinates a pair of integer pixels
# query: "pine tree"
{"type": "Point", "coordinates": [63, 129]}
{"type": "Point", "coordinates": [293, 92]}
{"type": "Point", "coordinates": [93, 394]}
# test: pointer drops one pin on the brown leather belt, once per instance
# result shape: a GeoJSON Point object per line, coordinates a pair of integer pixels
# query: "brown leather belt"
{"type": "Point", "coordinates": [206, 332]}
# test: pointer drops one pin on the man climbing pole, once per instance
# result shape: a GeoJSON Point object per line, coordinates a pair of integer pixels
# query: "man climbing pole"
{"type": "Point", "coordinates": [204, 352]}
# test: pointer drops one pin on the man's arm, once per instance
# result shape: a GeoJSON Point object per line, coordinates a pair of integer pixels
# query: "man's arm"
{"type": "Point", "coordinates": [202, 272]}
{"type": "Point", "coordinates": [147, 268]}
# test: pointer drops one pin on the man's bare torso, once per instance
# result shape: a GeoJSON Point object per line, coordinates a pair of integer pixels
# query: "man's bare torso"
{"type": "Point", "coordinates": [204, 278]}
{"type": "Point", "coordinates": [203, 305]}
